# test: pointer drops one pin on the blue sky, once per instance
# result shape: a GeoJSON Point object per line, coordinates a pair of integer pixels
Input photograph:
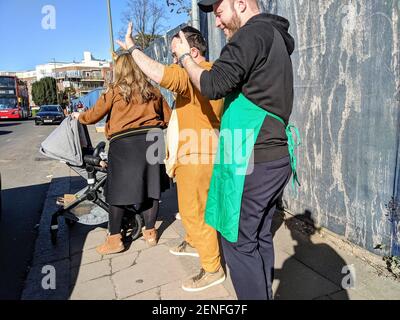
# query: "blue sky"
{"type": "Point", "coordinates": [80, 26]}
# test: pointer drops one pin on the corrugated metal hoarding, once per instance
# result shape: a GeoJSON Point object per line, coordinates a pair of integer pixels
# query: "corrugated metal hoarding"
{"type": "Point", "coordinates": [347, 83]}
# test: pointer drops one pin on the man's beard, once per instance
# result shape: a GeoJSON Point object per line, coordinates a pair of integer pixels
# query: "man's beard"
{"type": "Point", "coordinates": [233, 26]}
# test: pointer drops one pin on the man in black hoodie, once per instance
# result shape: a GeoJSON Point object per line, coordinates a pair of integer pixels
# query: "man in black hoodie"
{"type": "Point", "coordinates": [254, 73]}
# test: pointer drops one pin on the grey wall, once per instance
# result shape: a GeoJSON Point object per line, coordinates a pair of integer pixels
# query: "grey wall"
{"type": "Point", "coordinates": [347, 82]}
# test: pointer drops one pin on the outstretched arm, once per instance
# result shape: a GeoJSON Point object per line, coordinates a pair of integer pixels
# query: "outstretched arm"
{"type": "Point", "coordinates": [151, 68]}
{"type": "Point", "coordinates": [98, 112]}
{"type": "Point", "coordinates": [236, 62]}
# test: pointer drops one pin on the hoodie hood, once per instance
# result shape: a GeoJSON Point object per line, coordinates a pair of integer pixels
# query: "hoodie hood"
{"type": "Point", "coordinates": [281, 24]}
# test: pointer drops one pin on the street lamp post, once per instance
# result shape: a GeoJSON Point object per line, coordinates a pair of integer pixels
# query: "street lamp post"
{"type": "Point", "coordinates": [55, 78]}
{"type": "Point", "coordinates": [195, 15]}
{"type": "Point", "coordinates": [110, 27]}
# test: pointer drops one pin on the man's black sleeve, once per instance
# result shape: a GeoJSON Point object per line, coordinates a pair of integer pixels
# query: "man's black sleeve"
{"type": "Point", "coordinates": [237, 60]}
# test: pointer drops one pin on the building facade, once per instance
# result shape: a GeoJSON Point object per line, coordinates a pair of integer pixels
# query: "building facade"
{"type": "Point", "coordinates": [83, 76]}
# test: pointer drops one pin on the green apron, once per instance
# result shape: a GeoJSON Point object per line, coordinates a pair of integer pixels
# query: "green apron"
{"type": "Point", "coordinates": [240, 127]}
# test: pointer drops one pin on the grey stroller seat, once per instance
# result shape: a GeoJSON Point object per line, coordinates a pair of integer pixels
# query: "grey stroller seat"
{"type": "Point", "coordinates": [71, 144]}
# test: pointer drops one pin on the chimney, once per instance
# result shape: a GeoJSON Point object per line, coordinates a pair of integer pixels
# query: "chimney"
{"type": "Point", "coordinates": [87, 55]}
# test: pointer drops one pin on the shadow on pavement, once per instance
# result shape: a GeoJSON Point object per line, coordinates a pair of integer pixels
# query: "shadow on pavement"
{"type": "Point", "coordinates": [314, 271]}
{"type": "Point", "coordinates": [3, 133]}
{"type": "Point", "coordinates": [21, 211]}
{"type": "Point", "coordinates": [8, 124]}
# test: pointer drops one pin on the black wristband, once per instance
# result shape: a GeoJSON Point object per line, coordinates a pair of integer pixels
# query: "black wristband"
{"type": "Point", "coordinates": [133, 48]}
{"type": "Point", "coordinates": [183, 57]}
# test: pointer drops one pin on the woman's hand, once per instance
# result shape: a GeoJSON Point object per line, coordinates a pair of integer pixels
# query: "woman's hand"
{"type": "Point", "coordinates": [75, 115]}
{"type": "Point", "coordinates": [103, 164]}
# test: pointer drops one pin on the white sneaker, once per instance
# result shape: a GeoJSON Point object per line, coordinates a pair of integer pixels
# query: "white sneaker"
{"type": "Point", "coordinates": [203, 280]}
{"type": "Point", "coordinates": [184, 249]}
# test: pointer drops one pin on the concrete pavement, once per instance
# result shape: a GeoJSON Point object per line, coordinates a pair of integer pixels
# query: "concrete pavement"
{"type": "Point", "coordinates": [310, 264]}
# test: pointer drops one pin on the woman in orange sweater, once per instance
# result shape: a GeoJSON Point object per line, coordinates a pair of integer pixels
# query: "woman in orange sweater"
{"type": "Point", "coordinates": [133, 107]}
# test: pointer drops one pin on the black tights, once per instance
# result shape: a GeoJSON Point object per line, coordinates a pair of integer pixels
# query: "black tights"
{"type": "Point", "coordinates": [150, 215]}
{"type": "Point", "coordinates": [117, 213]}
{"type": "Point", "coordinates": [115, 219]}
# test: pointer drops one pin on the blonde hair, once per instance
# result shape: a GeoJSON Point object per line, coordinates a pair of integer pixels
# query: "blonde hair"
{"type": "Point", "coordinates": [131, 80]}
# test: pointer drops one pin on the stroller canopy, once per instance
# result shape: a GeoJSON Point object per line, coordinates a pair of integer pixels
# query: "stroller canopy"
{"type": "Point", "coordinates": [66, 142]}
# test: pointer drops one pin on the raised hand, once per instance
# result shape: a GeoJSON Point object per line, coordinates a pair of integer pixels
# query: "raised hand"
{"type": "Point", "coordinates": [129, 42]}
{"type": "Point", "coordinates": [183, 46]}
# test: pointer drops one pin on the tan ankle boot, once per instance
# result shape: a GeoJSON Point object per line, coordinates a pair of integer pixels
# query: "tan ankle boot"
{"type": "Point", "coordinates": [150, 236]}
{"type": "Point", "coordinates": [112, 245]}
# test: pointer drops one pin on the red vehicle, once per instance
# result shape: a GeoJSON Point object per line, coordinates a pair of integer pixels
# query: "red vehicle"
{"type": "Point", "coordinates": [14, 98]}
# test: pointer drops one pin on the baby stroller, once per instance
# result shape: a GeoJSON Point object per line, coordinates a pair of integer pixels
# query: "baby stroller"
{"type": "Point", "coordinates": [70, 143]}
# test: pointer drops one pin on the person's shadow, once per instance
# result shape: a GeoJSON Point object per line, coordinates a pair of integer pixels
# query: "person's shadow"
{"type": "Point", "coordinates": [314, 271]}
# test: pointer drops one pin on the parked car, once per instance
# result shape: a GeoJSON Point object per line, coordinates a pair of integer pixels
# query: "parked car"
{"type": "Point", "coordinates": [49, 114]}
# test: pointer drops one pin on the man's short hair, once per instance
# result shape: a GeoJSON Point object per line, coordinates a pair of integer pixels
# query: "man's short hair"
{"type": "Point", "coordinates": [195, 39]}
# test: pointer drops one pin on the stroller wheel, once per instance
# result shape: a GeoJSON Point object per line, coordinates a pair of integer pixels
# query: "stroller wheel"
{"type": "Point", "coordinates": [132, 226]}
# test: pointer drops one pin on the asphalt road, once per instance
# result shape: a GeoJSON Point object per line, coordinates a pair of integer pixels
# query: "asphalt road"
{"type": "Point", "coordinates": [26, 175]}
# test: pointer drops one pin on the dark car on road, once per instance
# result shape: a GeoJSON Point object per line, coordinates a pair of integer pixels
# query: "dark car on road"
{"type": "Point", "coordinates": [49, 114]}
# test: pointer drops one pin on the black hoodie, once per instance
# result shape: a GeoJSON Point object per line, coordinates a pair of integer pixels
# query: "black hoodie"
{"type": "Point", "coordinates": [257, 63]}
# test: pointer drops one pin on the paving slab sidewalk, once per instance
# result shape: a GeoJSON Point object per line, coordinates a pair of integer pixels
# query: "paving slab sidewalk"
{"type": "Point", "coordinates": [309, 265]}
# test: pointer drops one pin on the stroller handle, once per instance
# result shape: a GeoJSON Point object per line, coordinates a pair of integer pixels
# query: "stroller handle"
{"type": "Point", "coordinates": [100, 147]}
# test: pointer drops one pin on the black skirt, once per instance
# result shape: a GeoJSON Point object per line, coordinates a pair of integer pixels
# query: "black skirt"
{"type": "Point", "coordinates": [132, 179]}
